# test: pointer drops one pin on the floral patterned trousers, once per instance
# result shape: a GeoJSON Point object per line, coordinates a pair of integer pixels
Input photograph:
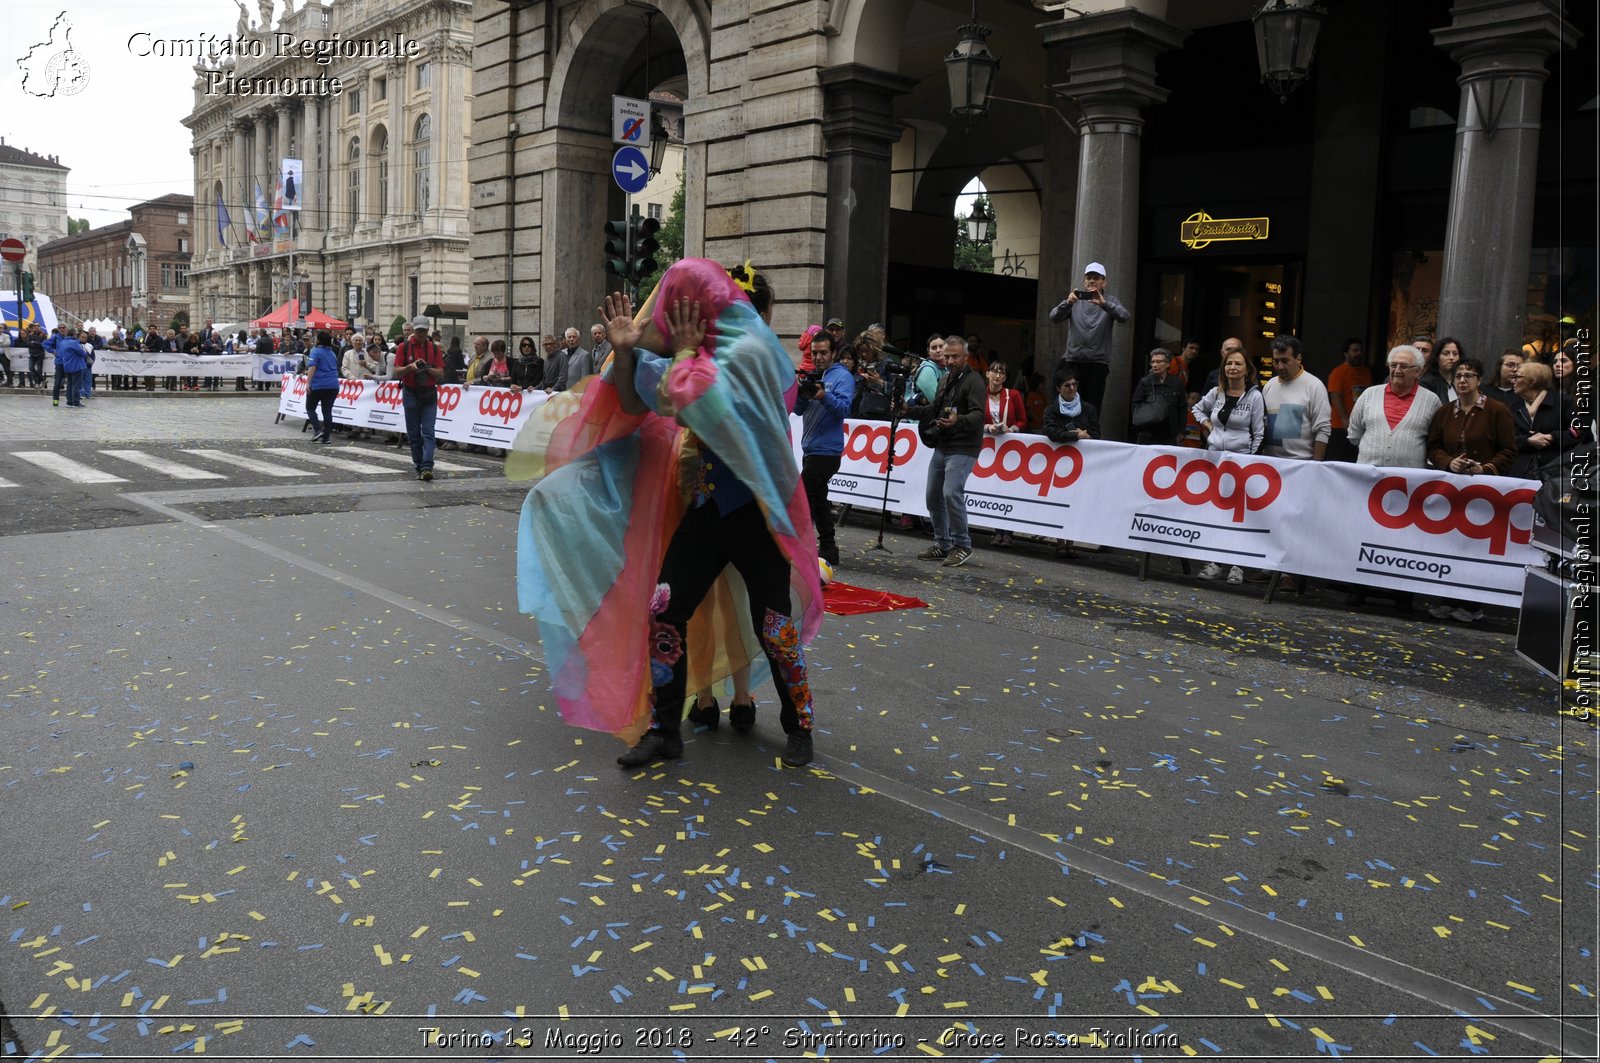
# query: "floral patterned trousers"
{"type": "Point", "coordinates": [705, 543]}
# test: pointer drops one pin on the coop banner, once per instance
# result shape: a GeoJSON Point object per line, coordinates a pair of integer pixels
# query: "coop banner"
{"type": "Point", "coordinates": [1407, 529]}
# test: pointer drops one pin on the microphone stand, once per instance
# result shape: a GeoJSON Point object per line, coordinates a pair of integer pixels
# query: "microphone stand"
{"type": "Point", "coordinates": [897, 407]}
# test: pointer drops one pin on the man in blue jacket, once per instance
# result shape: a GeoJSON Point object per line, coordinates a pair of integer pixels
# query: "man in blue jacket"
{"type": "Point", "coordinates": [71, 362]}
{"type": "Point", "coordinates": [824, 402]}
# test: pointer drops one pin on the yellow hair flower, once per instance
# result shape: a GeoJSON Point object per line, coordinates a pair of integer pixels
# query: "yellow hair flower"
{"type": "Point", "coordinates": [745, 277]}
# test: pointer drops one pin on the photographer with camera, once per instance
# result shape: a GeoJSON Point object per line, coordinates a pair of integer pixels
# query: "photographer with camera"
{"type": "Point", "coordinates": [826, 394]}
{"type": "Point", "coordinates": [1090, 313]}
{"type": "Point", "coordinates": [953, 425]}
{"type": "Point", "coordinates": [419, 365]}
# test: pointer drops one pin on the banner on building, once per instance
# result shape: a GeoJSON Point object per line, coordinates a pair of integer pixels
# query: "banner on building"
{"type": "Point", "coordinates": [293, 183]}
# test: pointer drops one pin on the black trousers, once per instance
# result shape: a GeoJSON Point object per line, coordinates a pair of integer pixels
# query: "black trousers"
{"type": "Point", "coordinates": [1092, 382]}
{"type": "Point", "coordinates": [323, 398]}
{"type": "Point", "coordinates": [704, 544]}
{"type": "Point", "coordinates": [815, 472]}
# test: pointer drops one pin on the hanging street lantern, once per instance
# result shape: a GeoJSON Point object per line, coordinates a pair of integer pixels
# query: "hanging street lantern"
{"type": "Point", "coordinates": [972, 69]}
{"type": "Point", "coordinates": [978, 223]}
{"type": "Point", "coordinates": [1286, 42]}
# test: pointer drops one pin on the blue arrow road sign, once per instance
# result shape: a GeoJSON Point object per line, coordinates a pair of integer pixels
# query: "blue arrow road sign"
{"type": "Point", "coordinates": [631, 169]}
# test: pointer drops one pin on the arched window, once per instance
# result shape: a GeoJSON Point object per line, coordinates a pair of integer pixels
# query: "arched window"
{"type": "Point", "coordinates": [421, 156]}
{"type": "Point", "coordinates": [380, 160]}
{"type": "Point", "coordinates": [353, 177]}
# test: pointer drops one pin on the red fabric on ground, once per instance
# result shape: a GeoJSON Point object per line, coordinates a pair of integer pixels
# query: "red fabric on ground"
{"type": "Point", "coordinates": [841, 599]}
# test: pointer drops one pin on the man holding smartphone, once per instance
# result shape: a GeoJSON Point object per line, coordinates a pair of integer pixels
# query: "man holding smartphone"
{"type": "Point", "coordinates": [420, 367]}
{"type": "Point", "coordinates": [1090, 313]}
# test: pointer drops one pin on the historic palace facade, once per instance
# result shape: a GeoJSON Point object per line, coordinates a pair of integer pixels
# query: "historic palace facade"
{"type": "Point", "coordinates": [385, 222]}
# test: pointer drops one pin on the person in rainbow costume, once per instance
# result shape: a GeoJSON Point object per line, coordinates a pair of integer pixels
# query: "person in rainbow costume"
{"type": "Point", "coordinates": [652, 480]}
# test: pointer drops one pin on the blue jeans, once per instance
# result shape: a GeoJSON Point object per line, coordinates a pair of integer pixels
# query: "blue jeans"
{"type": "Point", "coordinates": [947, 498]}
{"type": "Point", "coordinates": [87, 385]}
{"type": "Point", "coordinates": [420, 414]}
{"type": "Point", "coordinates": [74, 387]}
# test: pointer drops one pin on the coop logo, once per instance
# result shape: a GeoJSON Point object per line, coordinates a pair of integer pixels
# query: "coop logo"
{"type": "Point", "coordinates": [351, 390]}
{"type": "Point", "coordinates": [504, 405]}
{"type": "Point", "coordinates": [449, 398]}
{"type": "Point", "coordinates": [1477, 511]}
{"type": "Point", "coordinates": [389, 394]}
{"type": "Point", "coordinates": [870, 443]}
{"type": "Point", "coordinates": [1227, 485]}
{"type": "Point", "coordinates": [1040, 465]}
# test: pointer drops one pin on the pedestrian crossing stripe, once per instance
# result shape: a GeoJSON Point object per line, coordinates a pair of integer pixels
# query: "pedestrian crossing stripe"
{"type": "Point", "coordinates": [356, 460]}
{"type": "Point", "coordinates": [75, 471]}
{"type": "Point", "coordinates": [176, 470]}
{"type": "Point", "coordinates": [327, 458]}
{"type": "Point", "coordinates": [404, 457]}
{"type": "Point", "coordinates": [262, 467]}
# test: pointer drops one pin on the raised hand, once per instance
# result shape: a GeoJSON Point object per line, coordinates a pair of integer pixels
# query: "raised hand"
{"type": "Point", "coordinates": [620, 327]}
{"type": "Point", "coordinates": [686, 327]}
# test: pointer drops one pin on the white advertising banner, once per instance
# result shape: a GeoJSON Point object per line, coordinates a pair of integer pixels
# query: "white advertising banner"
{"type": "Point", "coordinates": [1408, 529]}
{"type": "Point", "coordinates": [486, 416]}
{"type": "Point", "coordinates": [157, 363]}
{"type": "Point", "coordinates": [273, 367]}
{"type": "Point", "coordinates": [1452, 536]}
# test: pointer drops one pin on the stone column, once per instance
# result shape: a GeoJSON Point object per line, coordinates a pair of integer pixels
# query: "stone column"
{"type": "Point", "coordinates": [310, 200]}
{"type": "Point", "coordinates": [439, 119]}
{"type": "Point", "coordinates": [203, 208]}
{"type": "Point", "coordinates": [575, 196]}
{"type": "Point", "coordinates": [1502, 46]}
{"type": "Point", "coordinates": [1112, 76]}
{"type": "Point", "coordinates": [399, 138]}
{"type": "Point", "coordinates": [1347, 168]}
{"type": "Point", "coordinates": [1058, 213]}
{"type": "Point", "coordinates": [280, 147]}
{"type": "Point", "coordinates": [860, 130]}
{"type": "Point", "coordinates": [258, 166]}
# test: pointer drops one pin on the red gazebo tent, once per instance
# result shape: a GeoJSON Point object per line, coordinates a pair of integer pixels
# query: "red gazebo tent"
{"type": "Point", "coordinates": [289, 311]}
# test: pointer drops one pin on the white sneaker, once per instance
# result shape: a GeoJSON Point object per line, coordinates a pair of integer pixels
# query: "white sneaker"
{"type": "Point", "coordinates": [1467, 616]}
{"type": "Point", "coordinates": [1235, 574]}
{"type": "Point", "coordinates": [1211, 570]}
{"type": "Point", "coordinates": [1441, 612]}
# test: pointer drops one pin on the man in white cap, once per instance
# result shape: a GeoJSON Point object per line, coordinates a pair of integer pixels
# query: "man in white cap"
{"type": "Point", "coordinates": [420, 367]}
{"type": "Point", "coordinates": [1090, 312]}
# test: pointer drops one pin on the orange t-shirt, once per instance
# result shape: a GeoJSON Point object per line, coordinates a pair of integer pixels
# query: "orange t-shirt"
{"type": "Point", "coordinates": [1347, 381]}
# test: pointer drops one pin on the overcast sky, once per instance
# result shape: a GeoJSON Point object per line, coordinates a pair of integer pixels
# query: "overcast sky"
{"type": "Point", "coordinates": [121, 135]}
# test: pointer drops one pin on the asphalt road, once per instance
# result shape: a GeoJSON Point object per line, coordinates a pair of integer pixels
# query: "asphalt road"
{"type": "Point", "coordinates": [281, 779]}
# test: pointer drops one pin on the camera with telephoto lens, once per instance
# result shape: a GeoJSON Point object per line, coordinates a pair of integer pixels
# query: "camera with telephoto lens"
{"type": "Point", "coordinates": [811, 384]}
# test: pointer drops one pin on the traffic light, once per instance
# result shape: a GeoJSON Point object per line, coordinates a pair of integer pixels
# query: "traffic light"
{"type": "Point", "coordinates": [27, 288]}
{"type": "Point", "coordinates": [617, 249]}
{"type": "Point", "coordinates": [645, 246]}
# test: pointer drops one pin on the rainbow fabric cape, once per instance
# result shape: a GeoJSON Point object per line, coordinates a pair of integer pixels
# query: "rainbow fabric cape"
{"type": "Point", "coordinates": [608, 495]}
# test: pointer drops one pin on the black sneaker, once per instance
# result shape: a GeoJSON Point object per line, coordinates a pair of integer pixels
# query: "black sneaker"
{"type": "Point", "coordinates": [797, 754]}
{"type": "Point", "coordinates": [932, 553]}
{"type": "Point", "coordinates": [655, 745]}
{"type": "Point", "coordinates": [427, 474]}
{"type": "Point", "coordinates": [742, 717]}
{"type": "Point", "coordinates": [705, 715]}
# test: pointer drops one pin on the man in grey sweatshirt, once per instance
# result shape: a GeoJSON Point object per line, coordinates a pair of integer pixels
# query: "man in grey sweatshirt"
{"type": "Point", "coordinates": [1090, 312]}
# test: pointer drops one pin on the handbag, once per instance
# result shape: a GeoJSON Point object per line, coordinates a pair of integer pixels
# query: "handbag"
{"type": "Point", "coordinates": [1150, 411]}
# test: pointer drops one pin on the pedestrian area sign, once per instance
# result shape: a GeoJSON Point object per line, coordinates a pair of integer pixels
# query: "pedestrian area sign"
{"type": "Point", "coordinates": [630, 121]}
